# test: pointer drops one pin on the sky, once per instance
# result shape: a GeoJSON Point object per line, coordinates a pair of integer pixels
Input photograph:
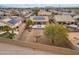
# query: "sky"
{"type": "Point", "coordinates": [36, 5]}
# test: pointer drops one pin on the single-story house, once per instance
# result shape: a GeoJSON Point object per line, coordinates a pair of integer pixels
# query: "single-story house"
{"type": "Point", "coordinates": [39, 19]}
{"type": "Point", "coordinates": [64, 19]}
{"type": "Point", "coordinates": [11, 22]}
{"type": "Point", "coordinates": [76, 18]}
{"type": "Point", "coordinates": [44, 13]}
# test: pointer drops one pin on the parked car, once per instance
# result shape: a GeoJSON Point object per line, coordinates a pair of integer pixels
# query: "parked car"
{"type": "Point", "coordinates": [72, 28]}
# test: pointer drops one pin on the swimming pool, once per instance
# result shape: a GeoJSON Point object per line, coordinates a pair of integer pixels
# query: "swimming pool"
{"type": "Point", "coordinates": [38, 26]}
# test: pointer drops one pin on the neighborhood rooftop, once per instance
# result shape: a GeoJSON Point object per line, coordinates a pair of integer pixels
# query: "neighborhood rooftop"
{"type": "Point", "coordinates": [63, 18]}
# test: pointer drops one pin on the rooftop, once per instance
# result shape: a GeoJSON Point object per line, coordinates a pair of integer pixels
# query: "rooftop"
{"type": "Point", "coordinates": [12, 21]}
{"type": "Point", "coordinates": [39, 18]}
{"type": "Point", "coordinates": [43, 12]}
{"type": "Point", "coordinates": [63, 18]}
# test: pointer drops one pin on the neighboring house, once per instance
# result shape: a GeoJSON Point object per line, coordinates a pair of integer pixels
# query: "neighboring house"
{"type": "Point", "coordinates": [76, 18]}
{"type": "Point", "coordinates": [25, 12]}
{"type": "Point", "coordinates": [64, 19]}
{"type": "Point", "coordinates": [39, 21]}
{"type": "Point", "coordinates": [12, 22]}
{"type": "Point", "coordinates": [53, 11]}
{"type": "Point", "coordinates": [76, 11]}
{"type": "Point", "coordinates": [44, 13]}
{"type": "Point", "coordinates": [66, 13]}
{"type": "Point", "coordinates": [1, 13]}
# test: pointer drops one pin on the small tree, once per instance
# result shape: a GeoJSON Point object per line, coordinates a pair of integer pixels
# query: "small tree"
{"type": "Point", "coordinates": [29, 22]}
{"type": "Point", "coordinates": [6, 28]}
{"type": "Point", "coordinates": [36, 10]}
{"type": "Point", "coordinates": [56, 33]}
{"type": "Point", "coordinates": [12, 34]}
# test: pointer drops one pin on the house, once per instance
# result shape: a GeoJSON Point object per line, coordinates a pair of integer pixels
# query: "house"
{"type": "Point", "coordinates": [44, 13]}
{"type": "Point", "coordinates": [11, 22]}
{"type": "Point", "coordinates": [39, 21]}
{"type": "Point", "coordinates": [53, 11]}
{"type": "Point", "coordinates": [76, 17]}
{"type": "Point", "coordinates": [64, 19]}
{"type": "Point", "coordinates": [1, 13]}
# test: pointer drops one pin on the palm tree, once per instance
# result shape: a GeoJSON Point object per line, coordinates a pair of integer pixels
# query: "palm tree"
{"type": "Point", "coordinates": [56, 33]}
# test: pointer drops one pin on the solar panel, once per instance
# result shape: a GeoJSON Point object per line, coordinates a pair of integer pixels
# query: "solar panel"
{"type": "Point", "coordinates": [12, 21]}
{"type": "Point", "coordinates": [38, 18]}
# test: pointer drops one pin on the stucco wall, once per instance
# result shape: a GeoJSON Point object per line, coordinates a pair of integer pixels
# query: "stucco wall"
{"type": "Point", "coordinates": [21, 29]}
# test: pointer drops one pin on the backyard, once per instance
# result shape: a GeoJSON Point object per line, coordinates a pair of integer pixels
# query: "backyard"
{"type": "Point", "coordinates": [37, 36]}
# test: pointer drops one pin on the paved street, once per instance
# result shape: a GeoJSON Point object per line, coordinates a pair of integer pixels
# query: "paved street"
{"type": "Point", "coordinates": [8, 49]}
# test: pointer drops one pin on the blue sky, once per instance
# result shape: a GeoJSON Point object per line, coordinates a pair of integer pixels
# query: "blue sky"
{"type": "Point", "coordinates": [36, 5]}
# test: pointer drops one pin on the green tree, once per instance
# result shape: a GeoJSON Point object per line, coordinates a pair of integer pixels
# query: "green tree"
{"type": "Point", "coordinates": [6, 28]}
{"type": "Point", "coordinates": [36, 10]}
{"type": "Point", "coordinates": [56, 33]}
{"type": "Point", "coordinates": [29, 22]}
{"type": "Point", "coordinates": [12, 34]}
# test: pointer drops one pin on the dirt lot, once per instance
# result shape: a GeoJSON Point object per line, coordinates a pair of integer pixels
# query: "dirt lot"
{"type": "Point", "coordinates": [36, 35]}
{"type": "Point", "coordinates": [74, 37]}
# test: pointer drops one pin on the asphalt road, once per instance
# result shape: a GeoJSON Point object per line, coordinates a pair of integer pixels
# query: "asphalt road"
{"type": "Point", "coordinates": [8, 49]}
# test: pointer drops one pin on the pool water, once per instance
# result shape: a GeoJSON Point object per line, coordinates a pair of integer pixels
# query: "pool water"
{"type": "Point", "coordinates": [38, 26]}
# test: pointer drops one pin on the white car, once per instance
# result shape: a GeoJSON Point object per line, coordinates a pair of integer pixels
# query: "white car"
{"type": "Point", "coordinates": [72, 28]}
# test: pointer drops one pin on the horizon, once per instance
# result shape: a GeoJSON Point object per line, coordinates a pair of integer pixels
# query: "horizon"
{"type": "Point", "coordinates": [38, 5]}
